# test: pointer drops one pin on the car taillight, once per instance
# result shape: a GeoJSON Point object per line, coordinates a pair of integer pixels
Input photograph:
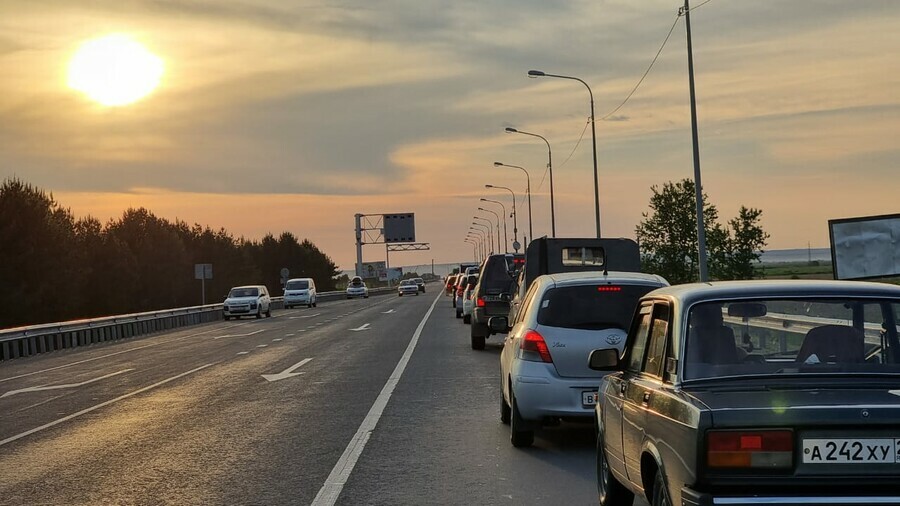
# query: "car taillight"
{"type": "Point", "coordinates": [480, 301]}
{"type": "Point", "coordinates": [534, 346]}
{"type": "Point", "coordinates": [750, 448]}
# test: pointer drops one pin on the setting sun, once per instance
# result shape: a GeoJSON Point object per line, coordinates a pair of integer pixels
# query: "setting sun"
{"type": "Point", "coordinates": [114, 70]}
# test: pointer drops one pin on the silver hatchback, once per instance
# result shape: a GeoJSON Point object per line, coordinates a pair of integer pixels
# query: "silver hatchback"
{"type": "Point", "coordinates": [543, 365]}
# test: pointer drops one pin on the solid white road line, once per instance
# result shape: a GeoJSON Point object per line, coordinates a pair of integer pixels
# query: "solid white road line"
{"type": "Point", "coordinates": [339, 475]}
{"type": "Point", "coordinates": [248, 334]}
{"type": "Point", "coordinates": [98, 406]}
{"type": "Point", "coordinates": [59, 387]}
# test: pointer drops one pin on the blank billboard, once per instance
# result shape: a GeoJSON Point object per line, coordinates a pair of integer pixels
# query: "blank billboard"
{"type": "Point", "coordinates": [866, 247]}
{"type": "Point", "coordinates": [399, 228]}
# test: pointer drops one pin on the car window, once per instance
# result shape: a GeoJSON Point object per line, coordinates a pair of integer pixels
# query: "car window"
{"type": "Point", "coordinates": [244, 292]}
{"type": "Point", "coordinates": [656, 343]}
{"type": "Point", "coordinates": [526, 302]}
{"type": "Point", "coordinates": [495, 277]}
{"type": "Point", "coordinates": [300, 284]}
{"type": "Point", "coordinates": [591, 307]}
{"type": "Point", "coordinates": [638, 338]}
{"type": "Point", "coordinates": [841, 336]}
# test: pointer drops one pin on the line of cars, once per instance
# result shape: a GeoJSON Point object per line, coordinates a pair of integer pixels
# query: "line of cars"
{"type": "Point", "coordinates": [743, 393]}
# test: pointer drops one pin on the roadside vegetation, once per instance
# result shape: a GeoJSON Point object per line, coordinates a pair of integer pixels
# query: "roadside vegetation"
{"type": "Point", "coordinates": [54, 267]}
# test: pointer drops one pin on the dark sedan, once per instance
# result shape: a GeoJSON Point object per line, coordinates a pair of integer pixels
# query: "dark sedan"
{"type": "Point", "coordinates": [741, 393]}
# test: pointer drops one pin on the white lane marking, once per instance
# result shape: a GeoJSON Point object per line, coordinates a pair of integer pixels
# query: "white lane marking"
{"type": "Point", "coordinates": [277, 339]}
{"type": "Point", "coordinates": [98, 406]}
{"type": "Point", "coordinates": [243, 352]}
{"type": "Point", "coordinates": [261, 345]}
{"type": "Point", "coordinates": [60, 387]}
{"type": "Point", "coordinates": [42, 402]}
{"type": "Point", "coordinates": [182, 338]}
{"type": "Point", "coordinates": [339, 475]}
{"type": "Point", "coordinates": [289, 335]}
{"type": "Point", "coordinates": [389, 311]}
{"type": "Point", "coordinates": [362, 327]}
{"type": "Point", "coordinates": [240, 335]}
{"type": "Point", "coordinates": [305, 316]}
{"type": "Point", "coordinates": [287, 373]}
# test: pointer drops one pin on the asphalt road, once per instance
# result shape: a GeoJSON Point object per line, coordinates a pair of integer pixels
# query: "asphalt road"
{"type": "Point", "coordinates": [367, 401]}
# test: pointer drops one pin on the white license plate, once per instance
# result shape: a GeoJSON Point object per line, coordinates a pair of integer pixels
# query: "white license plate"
{"type": "Point", "coordinates": [851, 451]}
{"type": "Point", "coordinates": [588, 398]}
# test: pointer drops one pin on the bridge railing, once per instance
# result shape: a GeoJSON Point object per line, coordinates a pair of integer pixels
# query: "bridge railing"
{"type": "Point", "coordinates": [33, 339]}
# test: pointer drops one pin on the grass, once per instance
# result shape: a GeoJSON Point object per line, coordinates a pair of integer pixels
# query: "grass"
{"type": "Point", "coordinates": [804, 270]}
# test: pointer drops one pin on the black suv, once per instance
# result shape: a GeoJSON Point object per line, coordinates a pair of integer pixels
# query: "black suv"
{"type": "Point", "coordinates": [492, 293]}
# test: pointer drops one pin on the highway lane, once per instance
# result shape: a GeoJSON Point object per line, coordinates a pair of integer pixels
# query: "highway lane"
{"type": "Point", "coordinates": [224, 434]}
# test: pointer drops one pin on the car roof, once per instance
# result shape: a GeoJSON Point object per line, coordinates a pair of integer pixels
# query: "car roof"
{"type": "Point", "coordinates": [694, 292]}
{"type": "Point", "coordinates": [589, 277]}
{"type": "Point", "coordinates": [247, 286]}
{"type": "Point", "coordinates": [299, 279]}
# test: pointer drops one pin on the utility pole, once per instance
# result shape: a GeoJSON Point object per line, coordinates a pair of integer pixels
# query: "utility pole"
{"type": "Point", "coordinates": [698, 187]}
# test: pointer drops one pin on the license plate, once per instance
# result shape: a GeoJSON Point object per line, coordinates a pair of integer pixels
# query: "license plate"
{"type": "Point", "coordinates": [588, 398]}
{"type": "Point", "coordinates": [491, 298]}
{"type": "Point", "coordinates": [851, 451]}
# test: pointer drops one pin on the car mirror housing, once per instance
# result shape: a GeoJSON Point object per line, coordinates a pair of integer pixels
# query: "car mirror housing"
{"type": "Point", "coordinates": [606, 359]}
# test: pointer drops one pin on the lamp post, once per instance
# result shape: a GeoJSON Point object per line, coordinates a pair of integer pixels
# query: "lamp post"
{"type": "Point", "coordinates": [474, 249]}
{"type": "Point", "coordinates": [491, 230]}
{"type": "Point", "coordinates": [550, 169]}
{"type": "Point", "coordinates": [498, 227]}
{"type": "Point", "coordinates": [515, 226]}
{"type": "Point", "coordinates": [505, 236]}
{"type": "Point", "coordinates": [538, 73]}
{"type": "Point", "coordinates": [478, 234]}
{"type": "Point", "coordinates": [489, 233]}
{"type": "Point", "coordinates": [528, 190]}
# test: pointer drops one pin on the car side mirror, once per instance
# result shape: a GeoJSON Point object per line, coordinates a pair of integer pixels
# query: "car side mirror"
{"type": "Point", "coordinates": [498, 323]}
{"type": "Point", "coordinates": [604, 360]}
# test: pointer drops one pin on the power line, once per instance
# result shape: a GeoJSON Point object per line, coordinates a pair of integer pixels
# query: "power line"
{"type": "Point", "coordinates": [700, 5]}
{"type": "Point", "coordinates": [588, 122]}
{"type": "Point", "coordinates": [641, 80]}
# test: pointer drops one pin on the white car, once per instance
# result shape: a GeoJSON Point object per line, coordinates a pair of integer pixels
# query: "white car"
{"type": "Point", "coordinates": [299, 292]}
{"type": "Point", "coordinates": [407, 287]}
{"type": "Point", "coordinates": [468, 301]}
{"type": "Point", "coordinates": [357, 288]}
{"type": "Point", "coordinates": [251, 300]}
{"type": "Point", "coordinates": [544, 370]}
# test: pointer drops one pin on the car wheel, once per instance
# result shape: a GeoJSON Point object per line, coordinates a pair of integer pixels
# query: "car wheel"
{"type": "Point", "coordinates": [467, 318]}
{"type": "Point", "coordinates": [269, 312]}
{"type": "Point", "coordinates": [399, 295]}
{"type": "Point", "coordinates": [519, 436]}
{"type": "Point", "coordinates": [505, 410]}
{"type": "Point", "coordinates": [315, 303]}
{"type": "Point", "coordinates": [458, 313]}
{"type": "Point", "coordinates": [258, 313]}
{"type": "Point", "coordinates": [226, 318]}
{"type": "Point", "coordinates": [365, 296]}
{"type": "Point", "coordinates": [660, 492]}
{"type": "Point", "coordinates": [609, 490]}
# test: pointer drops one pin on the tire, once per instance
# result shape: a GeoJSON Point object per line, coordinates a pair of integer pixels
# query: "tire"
{"type": "Point", "coordinates": [467, 319]}
{"type": "Point", "coordinates": [660, 495]}
{"type": "Point", "coordinates": [269, 312]}
{"type": "Point", "coordinates": [609, 490]}
{"type": "Point", "coordinates": [477, 342]}
{"type": "Point", "coordinates": [518, 435]}
{"type": "Point", "coordinates": [399, 295]}
{"type": "Point", "coordinates": [458, 313]}
{"type": "Point", "coordinates": [226, 318]}
{"type": "Point", "coordinates": [287, 307]}
{"type": "Point", "coordinates": [258, 313]}
{"type": "Point", "coordinates": [348, 297]}
{"type": "Point", "coordinates": [315, 303]}
{"type": "Point", "coordinates": [366, 296]}
{"type": "Point", "coordinates": [505, 411]}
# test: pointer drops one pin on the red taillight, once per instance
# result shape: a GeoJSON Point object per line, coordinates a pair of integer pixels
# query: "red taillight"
{"type": "Point", "coordinates": [750, 449]}
{"type": "Point", "coordinates": [532, 342]}
{"type": "Point", "coordinates": [480, 301]}
{"type": "Point", "coordinates": [609, 288]}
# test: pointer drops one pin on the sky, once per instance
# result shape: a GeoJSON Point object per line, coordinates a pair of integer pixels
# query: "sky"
{"type": "Point", "coordinates": [276, 116]}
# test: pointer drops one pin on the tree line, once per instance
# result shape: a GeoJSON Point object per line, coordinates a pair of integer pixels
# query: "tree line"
{"type": "Point", "coordinates": [54, 267]}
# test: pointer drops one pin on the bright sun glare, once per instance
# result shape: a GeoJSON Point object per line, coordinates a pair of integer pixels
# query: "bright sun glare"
{"type": "Point", "coordinates": [114, 70]}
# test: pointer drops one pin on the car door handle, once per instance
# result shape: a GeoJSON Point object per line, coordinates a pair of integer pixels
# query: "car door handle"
{"type": "Point", "coordinates": [622, 388]}
{"type": "Point", "coordinates": [646, 398]}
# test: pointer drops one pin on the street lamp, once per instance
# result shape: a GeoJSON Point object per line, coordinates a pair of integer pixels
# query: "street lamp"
{"type": "Point", "coordinates": [478, 234]}
{"type": "Point", "coordinates": [549, 168]}
{"type": "Point", "coordinates": [474, 249]}
{"type": "Point", "coordinates": [515, 226]}
{"type": "Point", "coordinates": [528, 190]}
{"type": "Point", "coordinates": [505, 236]}
{"type": "Point", "coordinates": [538, 73]}
{"type": "Point", "coordinates": [498, 227]}
{"type": "Point", "coordinates": [489, 233]}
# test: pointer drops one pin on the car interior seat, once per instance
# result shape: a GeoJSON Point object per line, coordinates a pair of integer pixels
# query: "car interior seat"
{"type": "Point", "coordinates": [711, 342]}
{"type": "Point", "coordinates": [832, 344]}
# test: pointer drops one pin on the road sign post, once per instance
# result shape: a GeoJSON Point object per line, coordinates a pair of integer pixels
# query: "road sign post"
{"type": "Point", "coordinates": [203, 272]}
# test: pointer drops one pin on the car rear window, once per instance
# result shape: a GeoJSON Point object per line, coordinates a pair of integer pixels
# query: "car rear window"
{"type": "Point", "coordinates": [356, 282]}
{"type": "Point", "coordinates": [297, 285]}
{"type": "Point", "coordinates": [495, 277]}
{"type": "Point", "coordinates": [591, 307]}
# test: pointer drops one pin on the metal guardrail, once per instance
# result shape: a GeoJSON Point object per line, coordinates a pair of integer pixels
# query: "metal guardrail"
{"type": "Point", "coordinates": [31, 340]}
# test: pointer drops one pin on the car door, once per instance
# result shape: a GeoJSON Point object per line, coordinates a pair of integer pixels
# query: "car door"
{"type": "Point", "coordinates": [640, 387]}
{"type": "Point", "coordinates": [616, 388]}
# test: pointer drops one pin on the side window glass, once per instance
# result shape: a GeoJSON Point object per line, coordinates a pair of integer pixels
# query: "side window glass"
{"type": "Point", "coordinates": [526, 303]}
{"type": "Point", "coordinates": [656, 343]}
{"type": "Point", "coordinates": [638, 338]}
